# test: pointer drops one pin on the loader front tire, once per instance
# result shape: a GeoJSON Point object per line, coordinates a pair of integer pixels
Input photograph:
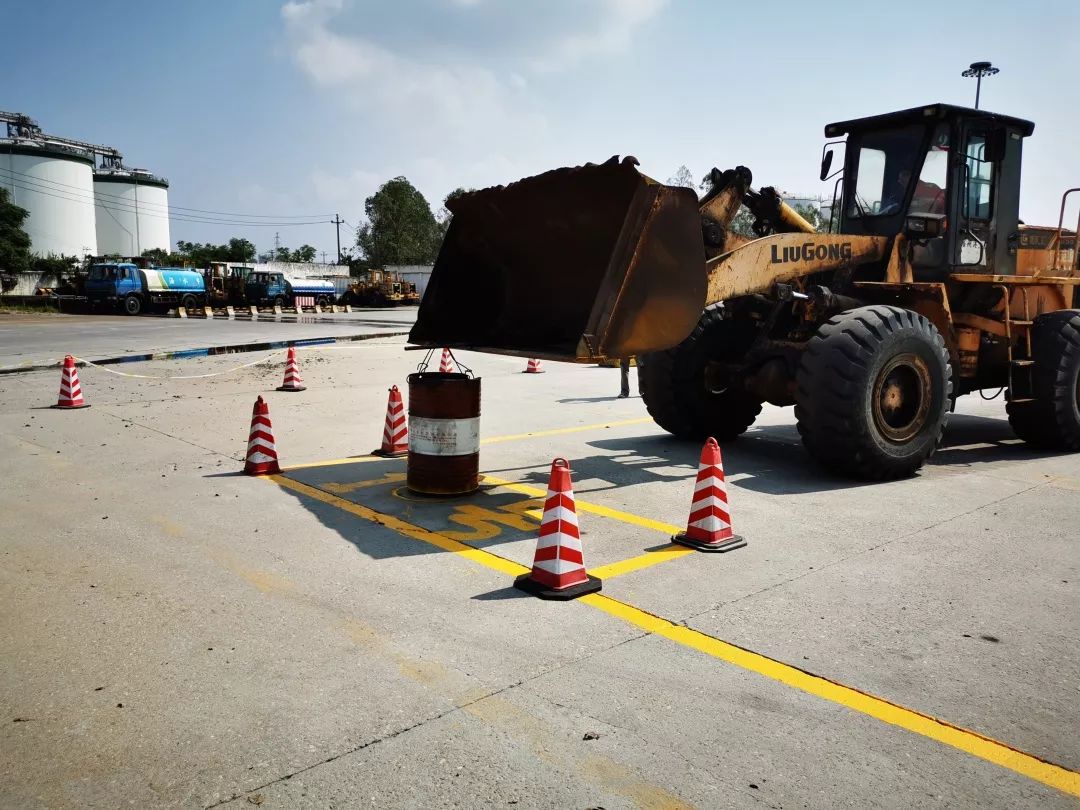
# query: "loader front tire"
{"type": "Point", "coordinates": [872, 392]}
{"type": "Point", "coordinates": [1052, 420]}
{"type": "Point", "coordinates": [683, 389]}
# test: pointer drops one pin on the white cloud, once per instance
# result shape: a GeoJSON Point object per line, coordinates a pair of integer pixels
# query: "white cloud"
{"type": "Point", "coordinates": [457, 108]}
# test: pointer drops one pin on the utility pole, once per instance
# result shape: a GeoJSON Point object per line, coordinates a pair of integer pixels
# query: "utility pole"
{"type": "Point", "coordinates": [337, 220]}
{"type": "Point", "coordinates": [277, 245]}
{"type": "Point", "coordinates": [323, 254]}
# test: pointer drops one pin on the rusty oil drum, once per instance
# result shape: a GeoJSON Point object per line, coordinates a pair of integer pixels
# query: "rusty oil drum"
{"type": "Point", "coordinates": [444, 434]}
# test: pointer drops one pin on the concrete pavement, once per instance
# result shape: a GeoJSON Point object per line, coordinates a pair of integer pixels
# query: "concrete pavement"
{"type": "Point", "coordinates": [174, 634]}
{"type": "Point", "coordinates": [33, 340]}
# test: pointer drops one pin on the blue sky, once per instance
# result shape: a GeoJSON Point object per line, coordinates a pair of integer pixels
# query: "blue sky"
{"type": "Point", "coordinates": [298, 108]}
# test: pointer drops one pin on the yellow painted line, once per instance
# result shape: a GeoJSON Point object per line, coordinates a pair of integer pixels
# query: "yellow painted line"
{"type": "Point", "coordinates": [646, 560]}
{"type": "Point", "coordinates": [499, 564]}
{"type": "Point", "coordinates": [493, 440]}
{"type": "Point", "coordinates": [560, 431]}
{"type": "Point", "coordinates": [334, 462]}
{"type": "Point", "coordinates": [649, 558]}
{"type": "Point", "coordinates": [962, 739]}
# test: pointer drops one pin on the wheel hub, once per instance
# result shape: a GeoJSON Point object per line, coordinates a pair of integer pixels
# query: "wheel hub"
{"type": "Point", "coordinates": [901, 398]}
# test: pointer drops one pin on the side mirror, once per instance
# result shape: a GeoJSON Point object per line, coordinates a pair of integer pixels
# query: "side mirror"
{"type": "Point", "coordinates": [826, 164]}
{"type": "Point", "coordinates": [995, 145]}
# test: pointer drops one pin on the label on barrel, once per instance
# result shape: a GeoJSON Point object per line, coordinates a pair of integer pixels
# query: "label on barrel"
{"type": "Point", "coordinates": [444, 437]}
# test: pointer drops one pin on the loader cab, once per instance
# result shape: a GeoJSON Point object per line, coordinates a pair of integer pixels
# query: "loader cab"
{"type": "Point", "coordinates": [948, 177]}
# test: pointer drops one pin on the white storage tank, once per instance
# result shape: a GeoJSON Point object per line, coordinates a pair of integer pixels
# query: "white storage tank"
{"type": "Point", "coordinates": [132, 211]}
{"type": "Point", "coordinates": [54, 182]}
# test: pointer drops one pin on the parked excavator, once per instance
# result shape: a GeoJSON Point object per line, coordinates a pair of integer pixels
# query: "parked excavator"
{"type": "Point", "coordinates": [925, 286]}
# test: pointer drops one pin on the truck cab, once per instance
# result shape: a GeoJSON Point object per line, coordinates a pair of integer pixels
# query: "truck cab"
{"type": "Point", "coordinates": [263, 287]}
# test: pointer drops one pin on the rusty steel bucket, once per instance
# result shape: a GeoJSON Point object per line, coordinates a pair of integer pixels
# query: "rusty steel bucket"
{"type": "Point", "coordinates": [577, 264]}
{"type": "Point", "coordinates": [444, 434]}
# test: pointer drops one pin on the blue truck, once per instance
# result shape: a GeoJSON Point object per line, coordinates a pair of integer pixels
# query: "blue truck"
{"type": "Point", "coordinates": [134, 290]}
{"type": "Point", "coordinates": [268, 288]}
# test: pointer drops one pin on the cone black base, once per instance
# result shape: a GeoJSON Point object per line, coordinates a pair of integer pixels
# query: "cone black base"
{"type": "Point", "coordinates": [288, 388]}
{"type": "Point", "coordinates": [68, 407]}
{"type": "Point", "coordinates": [389, 453]}
{"type": "Point", "coordinates": [532, 372]}
{"type": "Point", "coordinates": [732, 543]}
{"type": "Point", "coordinates": [531, 586]}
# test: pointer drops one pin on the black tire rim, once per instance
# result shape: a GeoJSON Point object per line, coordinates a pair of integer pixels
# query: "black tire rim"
{"type": "Point", "coordinates": [131, 306]}
{"type": "Point", "coordinates": [901, 398]}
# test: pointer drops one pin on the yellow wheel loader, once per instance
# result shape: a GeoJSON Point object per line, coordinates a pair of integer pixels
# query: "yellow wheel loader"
{"type": "Point", "coordinates": [925, 287]}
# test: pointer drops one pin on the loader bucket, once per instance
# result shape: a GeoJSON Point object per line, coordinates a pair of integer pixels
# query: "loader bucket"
{"type": "Point", "coordinates": [578, 264]}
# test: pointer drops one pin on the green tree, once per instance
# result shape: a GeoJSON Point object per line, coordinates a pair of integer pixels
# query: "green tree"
{"type": "Point", "coordinates": [401, 228]}
{"type": "Point", "coordinates": [240, 250]}
{"type": "Point", "coordinates": [445, 214]}
{"type": "Point", "coordinates": [14, 241]}
{"type": "Point", "coordinates": [305, 253]}
{"type": "Point", "coordinates": [682, 177]}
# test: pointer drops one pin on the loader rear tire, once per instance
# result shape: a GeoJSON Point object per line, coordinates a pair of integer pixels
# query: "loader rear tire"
{"type": "Point", "coordinates": [680, 385]}
{"type": "Point", "coordinates": [872, 392]}
{"type": "Point", "coordinates": [1052, 421]}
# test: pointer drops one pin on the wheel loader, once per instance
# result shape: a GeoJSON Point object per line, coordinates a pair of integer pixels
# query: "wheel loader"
{"type": "Point", "coordinates": [926, 286]}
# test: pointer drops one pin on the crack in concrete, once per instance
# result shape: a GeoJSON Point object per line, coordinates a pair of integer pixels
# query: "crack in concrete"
{"type": "Point", "coordinates": [456, 708]}
{"type": "Point", "coordinates": [131, 421]}
{"type": "Point", "coordinates": [841, 560]}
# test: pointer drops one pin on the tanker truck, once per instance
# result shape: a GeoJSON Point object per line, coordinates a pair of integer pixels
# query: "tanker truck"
{"type": "Point", "coordinates": [133, 290]}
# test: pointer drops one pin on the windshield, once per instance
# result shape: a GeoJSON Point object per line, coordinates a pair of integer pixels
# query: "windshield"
{"type": "Point", "coordinates": [886, 159]}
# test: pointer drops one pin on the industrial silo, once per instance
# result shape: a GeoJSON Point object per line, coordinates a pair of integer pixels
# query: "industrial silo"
{"type": "Point", "coordinates": [132, 211]}
{"type": "Point", "coordinates": [54, 182]}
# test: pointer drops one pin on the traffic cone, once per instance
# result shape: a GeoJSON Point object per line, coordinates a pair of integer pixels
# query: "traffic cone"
{"type": "Point", "coordinates": [446, 364]}
{"type": "Point", "coordinates": [292, 374]}
{"type": "Point", "coordinates": [395, 438]}
{"type": "Point", "coordinates": [70, 391]}
{"type": "Point", "coordinates": [261, 454]}
{"type": "Point", "coordinates": [533, 367]}
{"type": "Point", "coordinates": [558, 571]}
{"type": "Point", "coordinates": [709, 526]}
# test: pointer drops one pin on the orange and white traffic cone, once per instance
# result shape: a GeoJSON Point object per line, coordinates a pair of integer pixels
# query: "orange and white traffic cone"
{"type": "Point", "coordinates": [709, 526]}
{"type": "Point", "coordinates": [70, 391]}
{"type": "Point", "coordinates": [558, 570]}
{"type": "Point", "coordinates": [395, 438]}
{"type": "Point", "coordinates": [261, 454]}
{"type": "Point", "coordinates": [533, 367]}
{"type": "Point", "coordinates": [292, 374]}
{"type": "Point", "coordinates": [446, 364]}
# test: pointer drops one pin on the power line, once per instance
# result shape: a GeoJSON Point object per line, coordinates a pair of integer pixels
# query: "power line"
{"type": "Point", "coordinates": [139, 210]}
{"type": "Point", "coordinates": [121, 198]}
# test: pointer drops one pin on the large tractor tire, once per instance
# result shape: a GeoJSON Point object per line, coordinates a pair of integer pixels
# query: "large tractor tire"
{"type": "Point", "coordinates": [1052, 420]}
{"type": "Point", "coordinates": [872, 393]}
{"type": "Point", "coordinates": [686, 389]}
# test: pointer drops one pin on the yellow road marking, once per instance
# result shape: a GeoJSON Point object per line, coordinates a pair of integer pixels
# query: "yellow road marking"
{"type": "Point", "coordinates": [492, 440]}
{"type": "Point", "coordinates": [342, 489]}
{"type": "Point", "coordinates": [649, 558]}
{"type": "Point", "coordinates": [592, 508]}
{"type": "Point", "coordinates": [560, 431]}
{"type": "Point", "coordinates": [401, 527]}
{"type": "Point", "coordinates": [962, 739]}
{"type": "Point", "coordinates": [334, 462]}
{"type": "Point", "coordinates": [894, 714]}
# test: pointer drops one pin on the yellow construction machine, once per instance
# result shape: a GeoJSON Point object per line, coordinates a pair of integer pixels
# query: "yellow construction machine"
{"type": "Point", "coordinates": [926, 286]}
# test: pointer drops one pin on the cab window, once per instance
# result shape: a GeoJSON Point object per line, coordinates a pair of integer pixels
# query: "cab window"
{"type": "Point", "coordinates": [886, 161]}
{"type": "Point", "coordinates": [980, 178]}
{"type": "Point", "coordinates": [929, 194]}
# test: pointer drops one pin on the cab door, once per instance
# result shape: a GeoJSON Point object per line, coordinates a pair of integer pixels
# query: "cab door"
{"type": "Point", "coordinates": [975, 232]}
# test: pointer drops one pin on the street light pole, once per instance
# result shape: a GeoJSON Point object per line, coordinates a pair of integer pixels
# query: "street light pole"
{"type": "Point", "coordinates": [977, 70]}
